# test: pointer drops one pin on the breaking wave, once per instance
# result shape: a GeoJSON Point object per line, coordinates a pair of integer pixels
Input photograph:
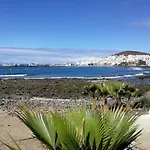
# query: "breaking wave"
{"type": "Point", "coordinates": [12, 75]}
{"type": "Point", "coordinates": [100, 77]}
{"type": "Point", "coordinates": [135, 68]}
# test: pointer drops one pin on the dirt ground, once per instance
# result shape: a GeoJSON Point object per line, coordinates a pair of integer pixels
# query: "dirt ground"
{"type": "Point", "coordinates": [50, 88]}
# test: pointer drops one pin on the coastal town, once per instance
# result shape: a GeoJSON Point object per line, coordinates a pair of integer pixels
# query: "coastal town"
{"type": "Point", "coordinates": [125, 58]}
{"type": "Point", "coordinates": [120, 60]}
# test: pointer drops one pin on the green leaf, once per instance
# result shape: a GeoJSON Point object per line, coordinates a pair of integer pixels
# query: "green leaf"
{"type": "Point", "coordinates": [81, 128]}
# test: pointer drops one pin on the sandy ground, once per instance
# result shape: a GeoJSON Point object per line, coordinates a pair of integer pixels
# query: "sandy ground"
{"type": "Point", "coordinates": [11, 125]}
{"type": "Point", "coordinates": [144, 140]}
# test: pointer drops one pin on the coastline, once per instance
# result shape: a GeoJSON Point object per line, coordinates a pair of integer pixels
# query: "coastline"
{"type": "Point", "coordinates": [65, 92]}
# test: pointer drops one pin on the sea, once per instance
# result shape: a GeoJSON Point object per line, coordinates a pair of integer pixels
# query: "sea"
{"type": "Point", "coordinates": [83, 72]}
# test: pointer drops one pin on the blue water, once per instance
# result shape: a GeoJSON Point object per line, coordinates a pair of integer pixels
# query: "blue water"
{"type": "Point", "coordinates": [72, 72]}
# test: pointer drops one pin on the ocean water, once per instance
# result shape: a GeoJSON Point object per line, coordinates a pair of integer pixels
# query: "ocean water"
{"type": "Point", "coordinates": [90, 72]}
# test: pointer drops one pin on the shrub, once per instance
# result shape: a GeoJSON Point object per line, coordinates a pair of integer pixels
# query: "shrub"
{"type": "Point", "coordinates": [114, 89]}
{"type": "Point", "coordinates": [143, 101]}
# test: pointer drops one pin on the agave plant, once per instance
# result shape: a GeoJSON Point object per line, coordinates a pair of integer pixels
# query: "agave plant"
{"type": "Point", "coordinates": [81, 129]}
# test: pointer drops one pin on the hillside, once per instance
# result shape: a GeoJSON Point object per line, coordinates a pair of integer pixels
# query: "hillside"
{"type": "Point", "coordinates": [126, 53]}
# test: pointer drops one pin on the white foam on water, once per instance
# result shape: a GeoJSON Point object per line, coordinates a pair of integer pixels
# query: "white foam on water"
{"type": "Point", "coordinates": [123, 76]}
{"type": "Point", "coordinates": [13, 75]}
{"type": "Point", "coordinates": [96, 77]}
{"type": "Point", "coordinates": [34, 78]}
{"type": "Point", "coordinates": [100, 77]}
{"type": "Point", "coordinates": [147, 72]}
{"type": "Point", "coordinates": [135, 68]}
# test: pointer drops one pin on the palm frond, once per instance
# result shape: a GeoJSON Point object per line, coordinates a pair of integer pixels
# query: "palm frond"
{"type": "Point", "coordinates": [66, 132]}
{"type": "Point", "coordinates": [82, 128]}
{"type": "Point", "coordinates": [41, 125]}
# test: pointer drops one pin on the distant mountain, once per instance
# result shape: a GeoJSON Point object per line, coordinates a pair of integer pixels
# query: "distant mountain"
{"type": "Point", "coordinates": [126, 53]}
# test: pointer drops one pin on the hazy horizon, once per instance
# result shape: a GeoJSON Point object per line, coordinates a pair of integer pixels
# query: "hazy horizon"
{"type": "Point", "coordinates": [50, 55]}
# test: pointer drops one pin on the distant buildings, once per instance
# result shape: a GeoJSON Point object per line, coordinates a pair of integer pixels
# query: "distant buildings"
{"type": "Point", "coordinates": [9, 65]}
{"type": "Point", "coordinates": [130, 60]}
{"type": "Point", "coordinates": [120, 60]}
{"type": "Point", "coordinates": [32, 65]}
{"type": "Point", "coordinates": [114, 60]}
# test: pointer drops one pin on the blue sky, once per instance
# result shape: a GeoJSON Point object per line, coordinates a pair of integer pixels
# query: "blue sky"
{"type": "Point", "coordinates": [71, 29]}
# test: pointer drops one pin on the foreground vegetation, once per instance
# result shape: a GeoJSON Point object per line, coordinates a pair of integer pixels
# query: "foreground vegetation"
{"type": "Point", "coordinates": [81, 128]}
{"type": "Point", "coordinates": [98, 127]}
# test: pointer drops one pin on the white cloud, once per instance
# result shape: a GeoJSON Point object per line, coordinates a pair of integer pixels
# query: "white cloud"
{"type": "Point", "coordinates": [26, 51]}
{"type": "Point", "coordinates": [142, 23]}
{"type": "Point", "coordinates": [51, 56]}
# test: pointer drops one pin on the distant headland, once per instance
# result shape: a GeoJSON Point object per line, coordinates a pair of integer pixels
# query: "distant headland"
{"type": "Point", "coordinates": [126, 53]}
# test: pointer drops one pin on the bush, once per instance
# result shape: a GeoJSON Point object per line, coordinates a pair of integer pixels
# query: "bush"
{"type": "Point", "coordinates": [114, 89]}
{"type": "Point", "coordinates": [143, 101]}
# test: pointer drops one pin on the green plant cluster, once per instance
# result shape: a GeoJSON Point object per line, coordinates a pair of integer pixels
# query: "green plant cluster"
{"type": "Point", "coordinates": [81, 128]}
{"type": "Point", "coordinates": [111, 89]}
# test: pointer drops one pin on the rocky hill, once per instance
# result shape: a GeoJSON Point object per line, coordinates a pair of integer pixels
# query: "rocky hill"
{"type": "Point", "coordinates": [126, 53]}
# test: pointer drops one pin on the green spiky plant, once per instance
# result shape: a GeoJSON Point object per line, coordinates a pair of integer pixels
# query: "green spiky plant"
{"type": "Point", "coordinates": [81, 128]}
{"type": "Point", "coordinates": [115, 89]}
{"type": "Point", "coordinates": [119, 89]}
